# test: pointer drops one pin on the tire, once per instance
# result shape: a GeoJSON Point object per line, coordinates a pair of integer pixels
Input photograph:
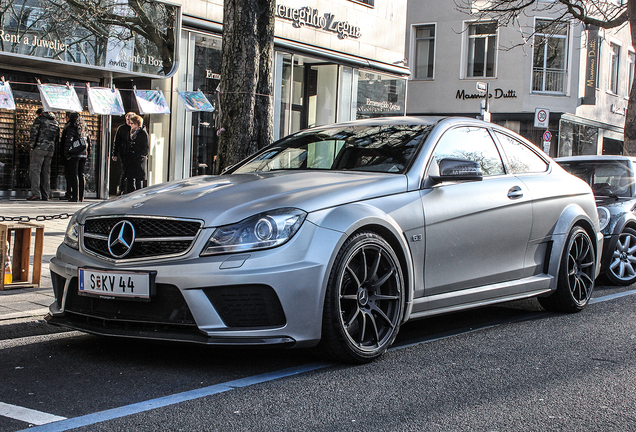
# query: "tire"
{"type": "Point", "coordinates": [622, 268]}
{"type": "Point", "coordinates": [576, 275]}
{"type": "Point", "coordinates": [364, 300]}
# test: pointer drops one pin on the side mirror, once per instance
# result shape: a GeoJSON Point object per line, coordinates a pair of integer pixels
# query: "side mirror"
{"type": "Point", "coordinates": [455, 169]}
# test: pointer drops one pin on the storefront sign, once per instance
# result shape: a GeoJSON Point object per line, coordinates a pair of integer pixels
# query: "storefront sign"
{"type": "Point", "coordinates": [498, 94]}
{"type": "Point", "coordinates": [138, 37]}
{"type": "Point", "coordinates": [615, 109]}
{"type": "Point", "coordinates": [591, 67]}
{"type": "Point", "coordinates": [306, 16]}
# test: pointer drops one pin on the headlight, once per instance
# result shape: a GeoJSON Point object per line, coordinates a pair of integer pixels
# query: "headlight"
{"type": "Point", "coordinates": [603, 217]}
{"type": "Point", "coordinates": [262, 231]}
{"type": "Point", "coordinates": [72, 233]}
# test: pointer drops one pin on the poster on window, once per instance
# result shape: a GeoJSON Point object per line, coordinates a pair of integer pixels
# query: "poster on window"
{"type": "Point", "coordinates": [6, 96]}
{"type": "Point", "coordinates": [195, 101]}
{"type": "Point", "coordinates": [151, 102]}
{"type": "Point", "coordinates": [56, 97]}
{"type": "Point", "coordinates": [104, 101]}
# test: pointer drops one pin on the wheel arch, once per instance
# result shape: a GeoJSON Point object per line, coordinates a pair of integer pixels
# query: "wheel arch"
{"type": "Point", "coordinates": [361, 217]}
{"type": "Point", "coordinates": [571, 217]}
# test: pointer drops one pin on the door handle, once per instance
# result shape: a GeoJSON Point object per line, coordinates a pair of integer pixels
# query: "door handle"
{"type": "Point", "coordinates": [515, 192]}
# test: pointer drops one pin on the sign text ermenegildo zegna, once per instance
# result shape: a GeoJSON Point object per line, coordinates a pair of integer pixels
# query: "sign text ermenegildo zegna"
{"type": "Point", "coordinates": [306, 16]}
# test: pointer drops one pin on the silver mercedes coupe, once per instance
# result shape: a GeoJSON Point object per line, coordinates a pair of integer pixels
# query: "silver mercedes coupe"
{"type": "Point", "coordinates": [333, 237]}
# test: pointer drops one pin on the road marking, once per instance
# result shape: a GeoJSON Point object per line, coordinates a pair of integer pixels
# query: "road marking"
{"type": "Point", "coordinates": [27, 415]}
{"type": "Point", "coordinates": [65, 424]}
{"type": "Point", "coordinates": [612, 296]}
{"type": "Point", "coordinates": [90, 419]}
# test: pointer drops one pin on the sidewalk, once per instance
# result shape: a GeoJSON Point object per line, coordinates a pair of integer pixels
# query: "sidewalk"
{"type": "Point", "coordinates": [34, 302]}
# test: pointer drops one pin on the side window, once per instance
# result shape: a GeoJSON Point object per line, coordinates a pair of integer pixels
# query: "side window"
{"type": "Point", "coordinates": [472, 143]}
{"type": "Point", "coordinates": [520, 157]}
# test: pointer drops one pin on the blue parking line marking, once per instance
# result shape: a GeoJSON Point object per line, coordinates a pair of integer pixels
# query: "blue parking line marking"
{"type": "Point", "coordinates": [139, 407]}
{"type": "Point", "coordinates": [111, 414]}
{"type": "Point", "coordinates": [612, 296]}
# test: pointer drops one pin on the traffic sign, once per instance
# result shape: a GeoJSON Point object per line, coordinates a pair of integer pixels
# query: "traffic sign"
{"type": "Point", "coordinates": [541, 117]}
{"type": "Point", "coordinates": [547, 136]}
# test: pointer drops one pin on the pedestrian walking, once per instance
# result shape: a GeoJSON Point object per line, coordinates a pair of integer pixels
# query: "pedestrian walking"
{"type": "Point", "coordinates": [77, 148]}
{"type": "Point", "coordinates": [44, 136]}
{"type": "Point", "coordinates": [137, 154]}
{"type": "Point", "coordinates": [120, 147]}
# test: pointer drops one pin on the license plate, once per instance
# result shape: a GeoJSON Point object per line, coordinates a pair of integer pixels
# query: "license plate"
{"type": "Point", "coordinates": [122, 284]}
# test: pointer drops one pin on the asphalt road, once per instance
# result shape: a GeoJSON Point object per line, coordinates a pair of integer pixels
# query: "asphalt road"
{"type": "Point", "coordinates": [513, 367]}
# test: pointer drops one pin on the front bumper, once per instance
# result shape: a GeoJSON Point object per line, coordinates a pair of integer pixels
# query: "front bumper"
{"type": "Point", "coordinates": [269, 297]}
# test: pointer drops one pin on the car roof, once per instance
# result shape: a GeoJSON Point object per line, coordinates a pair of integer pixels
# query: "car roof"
{"type": "Point", "coordinates": [592, 158]}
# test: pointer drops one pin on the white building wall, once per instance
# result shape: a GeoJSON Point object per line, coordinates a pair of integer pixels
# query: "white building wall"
{"type": "Point", "coordinates": [381, 27]}
{"type": "Point", "coordinates": [510, 89]}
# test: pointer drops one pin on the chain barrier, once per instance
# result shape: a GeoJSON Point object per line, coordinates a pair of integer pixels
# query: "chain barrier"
{"type": "Point", "coordinates": [40, 218]}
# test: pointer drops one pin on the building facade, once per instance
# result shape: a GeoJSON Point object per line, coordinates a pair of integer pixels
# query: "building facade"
{"type": "Point", "coordinates": [334, 61]}
{"type": "Point", "coordinates": [565, 79]}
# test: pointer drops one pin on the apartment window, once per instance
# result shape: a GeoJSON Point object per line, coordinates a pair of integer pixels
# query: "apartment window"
{"type": "Point", "coordinates": [631, 67]}
{"type": "Point", "coordinates": [365, 2]}
{"type": "Point", "coordinates": [424, 51]}
{"type": "Point", "coordinates": [550, 73]}
{"type": "Point", "coordinates": [615, 54]}
{"type": "Point", "coordinates": [482, 50]}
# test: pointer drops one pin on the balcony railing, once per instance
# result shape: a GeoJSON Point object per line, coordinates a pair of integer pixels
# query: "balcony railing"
{"type": "Point", "coordinates": [549, 80]}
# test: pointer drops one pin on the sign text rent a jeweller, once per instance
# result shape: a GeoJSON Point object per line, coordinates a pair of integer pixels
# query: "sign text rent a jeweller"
{"type": "Point", "coordinates": [32, 40]}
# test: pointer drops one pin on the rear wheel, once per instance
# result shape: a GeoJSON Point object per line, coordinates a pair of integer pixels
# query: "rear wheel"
{"type": "Point", "coordinates": [576, 275]}
{"type": "Point", "coordinates": [622, 269]}
{"type": "Point", "coordinates": [364, 300]}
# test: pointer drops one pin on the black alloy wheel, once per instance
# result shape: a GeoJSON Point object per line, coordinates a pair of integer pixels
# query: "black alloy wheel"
{"type": "Point", "coordinates": [364, 300]}
{"type": "Point", "coordinates": [576, 275]}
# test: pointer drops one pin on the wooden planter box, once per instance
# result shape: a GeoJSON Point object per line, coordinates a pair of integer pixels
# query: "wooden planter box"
{"type": "Point", "coordinates": [18, 234]}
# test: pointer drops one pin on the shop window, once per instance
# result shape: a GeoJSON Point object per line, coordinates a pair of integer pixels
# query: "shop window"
{"type": "Point", "coordinates": [577, 139]}
{"type": "Point", "coordinates": [550, 73]}
{"type": "Point", "coordinates": [424, 51]}
{"type": "Point", "coordinates": [206, 78]}
{"type": "Point", "coordinates": [615, 54]}
{"type": "Point", "coordinates": [631, 65]}
{"type": "Point", "coordinates": [482, 50]}
{"type": "Point", "coordinates": [365, 2]}
{"type": "Point", "coordinates": [380, 95]}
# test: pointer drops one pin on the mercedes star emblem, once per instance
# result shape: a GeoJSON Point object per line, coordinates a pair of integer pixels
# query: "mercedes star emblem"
{"type": "Point", "coordinates": [121, 239]}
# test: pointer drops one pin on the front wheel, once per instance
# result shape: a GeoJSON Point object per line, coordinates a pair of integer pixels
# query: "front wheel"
{"type": "Point", "coordinates": [364, 300]}
{"type": "Point", "coordinates": [622, 268]}
{"type": "Point", "coordinates": [576, 275]}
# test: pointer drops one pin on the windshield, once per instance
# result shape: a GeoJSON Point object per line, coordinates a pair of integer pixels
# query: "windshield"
{"type": "Point", "coordinates": [389, 149]}
{"type": "Point", "coordinates": [606, 178]}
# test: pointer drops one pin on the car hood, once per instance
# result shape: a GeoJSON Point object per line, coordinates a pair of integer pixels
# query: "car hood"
{"type": "Point", "coordinates": [619, 203]}
{"type": "Point", "coordinates": [225, 199]}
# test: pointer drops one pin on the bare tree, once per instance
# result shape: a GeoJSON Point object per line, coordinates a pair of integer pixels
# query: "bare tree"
{"type": "Point", "coordinates": [605, 14]}
{"type": "Point", "coordinates": [246, 102]}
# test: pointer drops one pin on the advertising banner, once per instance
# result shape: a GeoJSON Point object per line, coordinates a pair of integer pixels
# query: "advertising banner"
{"type": "Point", "coordinates": [151, 102]}
{"type": "Point", "coordinates": [104, 101]}
{"type": "Point", "coordinates": [6, 96]}
{"type": "Point", "coordinates": [56, 97]}
{"type": "Point", "coordinates": [195, 101]}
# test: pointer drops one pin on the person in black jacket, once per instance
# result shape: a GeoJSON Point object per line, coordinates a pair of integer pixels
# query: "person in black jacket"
{"type": "Point", "coordinates": [74, 130]}
{"type": "Point", "coordinates": [120, 146]}
{"type": "Point", "coordinates": [137, 154]}
{"type": "Point", "coordinates": [44, 137]}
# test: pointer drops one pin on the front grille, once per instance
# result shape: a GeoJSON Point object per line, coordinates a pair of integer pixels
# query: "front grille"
{"type": "Point", "coordinates": [154, 237]}
{"type": "Point", "coordinates": [247, 305]}
{"type": "Point", "coordinates": [166, 307]}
